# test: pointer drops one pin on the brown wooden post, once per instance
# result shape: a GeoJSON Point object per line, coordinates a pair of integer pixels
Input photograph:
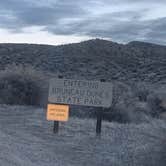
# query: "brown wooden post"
{"type": "Point", "coordinates": [99, 118]}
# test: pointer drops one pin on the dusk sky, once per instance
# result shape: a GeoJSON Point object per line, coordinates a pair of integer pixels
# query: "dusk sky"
{"type": "Point", "coordinates": [68, 21]}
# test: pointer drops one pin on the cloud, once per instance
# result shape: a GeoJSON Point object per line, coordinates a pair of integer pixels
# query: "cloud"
{"type": "Point", "coordinates": [34, 35]}
{"type": "Point", "coordinates": [122, 20]}
{"type": "Point", "coordinates": [128, 26]}
{"type": "Point", "coordinates": [157, 32]}
{"type": "Point", "coordinates": [28, 13]}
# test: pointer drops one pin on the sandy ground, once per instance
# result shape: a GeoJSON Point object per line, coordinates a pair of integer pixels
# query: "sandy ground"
{"type": "Point", "coordinates": [26, 139]}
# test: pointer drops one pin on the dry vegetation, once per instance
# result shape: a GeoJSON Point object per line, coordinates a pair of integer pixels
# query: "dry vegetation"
{"type": "Point", "coordinates": [25, 85]}
{"type": "Point", "coordinates": [27, 140]}
{"type": "Point", "coordinates": [135, 131]}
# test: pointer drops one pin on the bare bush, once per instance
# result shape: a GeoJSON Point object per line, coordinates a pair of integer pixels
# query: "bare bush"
{"type": "Point", "coordinates": [21, 85]}
{"type": "Point", "coordinates": [141, 90]}
{"type": "Point", "coordinates": [154, 102]}
{"type": "Point", "coordinates": [121, 101]}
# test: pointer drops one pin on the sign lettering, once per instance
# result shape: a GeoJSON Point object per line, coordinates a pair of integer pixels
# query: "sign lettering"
{"type": "Point", "coordinates": [78, 92]}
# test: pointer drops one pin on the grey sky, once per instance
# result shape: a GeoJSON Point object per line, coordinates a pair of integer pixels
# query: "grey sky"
{"type": "Point", "coordinates": [117, 20]}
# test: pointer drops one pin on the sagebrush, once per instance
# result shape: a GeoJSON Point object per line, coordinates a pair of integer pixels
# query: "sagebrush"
{"type": "Point", "coordinates": [22, 85]}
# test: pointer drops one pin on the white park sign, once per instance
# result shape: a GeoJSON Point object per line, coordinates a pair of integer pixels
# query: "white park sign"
{"type": "Point", "coordinates": [80, 92]}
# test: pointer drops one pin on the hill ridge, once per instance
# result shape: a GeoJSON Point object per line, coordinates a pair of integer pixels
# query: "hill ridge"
{"type": "Point", "coordinates": [97, 58]}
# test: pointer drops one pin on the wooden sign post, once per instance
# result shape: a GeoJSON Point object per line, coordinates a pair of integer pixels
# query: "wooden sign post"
{"type": "Point", "coordinates": [99, 118]}
{"type": "Point", "coordinates": [56, 127]}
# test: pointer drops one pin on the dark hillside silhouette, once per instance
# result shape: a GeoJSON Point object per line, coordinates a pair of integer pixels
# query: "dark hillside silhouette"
{"type": "Point", "coordinates": [93, 59]}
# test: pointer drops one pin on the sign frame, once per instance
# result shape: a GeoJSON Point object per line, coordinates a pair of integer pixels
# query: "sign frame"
{"type": "Point", "coordinates": [80, 92]}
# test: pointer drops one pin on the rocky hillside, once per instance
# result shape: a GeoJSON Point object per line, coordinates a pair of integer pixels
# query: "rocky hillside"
{"type": "Point", "coordinates": [93, 59]}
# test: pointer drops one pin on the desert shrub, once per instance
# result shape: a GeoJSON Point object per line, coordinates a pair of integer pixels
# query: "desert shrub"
{"type": "Point", "coordinates": [118, 114]}
{"type": "Point", "coordinates": [133, 104]}
{"type": "Point", "coordinates": [141, 90]}
{"type": "Point", "coordinates": [122, 99]}
{"type": "Point", "coordinates": [130, 114]}
{"type": "Point", "coordinates": [121, 93]}
{"type": "Point", "coordinates": [139, 112]}
{"type": "Point", "coordinates": [154, 102]}
{"type": "Point", "coordinates": [21, 85]}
